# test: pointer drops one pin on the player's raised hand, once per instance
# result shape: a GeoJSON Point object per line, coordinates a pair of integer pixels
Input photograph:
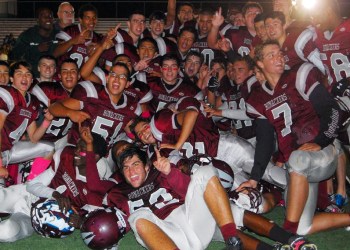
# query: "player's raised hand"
{"type": "Point", "coordinates": [142, 64]}
{"type": "Point", "coordinates": [162, 163]}
{"type": "Point", "coordinates": [85, 132]}
{"type": "Point", "coordinates": [218, 19]}
{"type": "Point", "coordinates": [113, 32]}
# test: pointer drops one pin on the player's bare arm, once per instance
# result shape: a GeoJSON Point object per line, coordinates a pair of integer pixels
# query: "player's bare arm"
{"type": "Point", "coordinates": [65, 46]}
{"type": "Point", "coordinates": [217, 20]}
{"type": "Point", "coordinates": [69, 107]}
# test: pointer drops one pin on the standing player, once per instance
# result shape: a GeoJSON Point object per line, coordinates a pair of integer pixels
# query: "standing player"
{"type": "Point", "coordinates": [305, 117]}
{"type": "Point", "coordinates": [240, 37]}
{"type": "Point", "coordinates": [20, 110]}
{"type": "Point", "coordinates": [79, 40]}
{"type": "Point", "coordinates": [107, 108]}
{"type": "Point", "coordinates": [51, 92]}
{"type": "Point", "coordinates": [298, 45]}
{"type": "Point", "coordinates": [170, 88]}
{"type": "Point", "coordinates": [333, 39]}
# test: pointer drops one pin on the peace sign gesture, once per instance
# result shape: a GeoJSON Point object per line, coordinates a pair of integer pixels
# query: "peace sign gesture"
{"type": "Point", "coordinates": [162, 163]}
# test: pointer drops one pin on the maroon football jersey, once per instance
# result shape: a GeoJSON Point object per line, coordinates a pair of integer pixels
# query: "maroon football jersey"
{"type": "Point", "coordinates": [287, 107]}
{"type": "Point", "coordinates": [335, 51]}
{"type": "Point", "coordinates": [76, 187]}
{"type": "Point", "coordinates": [153, 66]}
{"type": "Point", "coordinates": [161, 194]}
{"type": "Point", "coordinates": [107, 119]}
{"type": "Point", "coordinates": [139, 90]}
{"type": "Point", "coordinates": [48, 93]}
{"type": "Point", "coordinates": [201, 45]}
{"type": "Point", "coordinates": [232, 98]}
{"type": "Point", "coordinates": [164, 93]}
{"type": "Point", "coordinates": [240, 39]}
{"type": "Point", "coordinates": [120, 48]}
{"type": "Point", "coordinates": [78, 52]}
{"type": "Point", "coordinates": [299, 47]}
{"type": "Point", "coordinates": [204, 138]}
{"type": "Point", "coordinates": [20, 112]}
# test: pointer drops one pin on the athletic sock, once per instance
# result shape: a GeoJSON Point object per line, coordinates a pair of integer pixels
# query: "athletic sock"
{"type": "Point", "coordinates": [39, 165]}
{"type": "Point", "coordinates": [279, 234]}
{"type": "Point", "coordinates": [228, 230]}
{"type": "Point", "coordinates": [291, 226]}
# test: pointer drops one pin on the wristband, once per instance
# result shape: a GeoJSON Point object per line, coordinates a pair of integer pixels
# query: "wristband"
{"type": "Point", "coordinates": [46, 123]}
{"type": "Point", "coordinates": [146, 114]}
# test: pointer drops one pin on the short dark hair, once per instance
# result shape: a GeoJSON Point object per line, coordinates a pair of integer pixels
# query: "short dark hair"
{"type": "Point", "coordinates": [99, 144]}
{"type": "Point", "coordinates": [134, 123]}
{"type": "Point", "coordinates": [195, 53]}
{"type": "Point", "coordinates": [69, 60]}
{"type": "Point", "coordinates": [182, 5]}
{"type": "Point", "coordinates": [220, 60]}
{"type": "Point", "coordinates": [136, 12]}
{"type": "Point", "coordinates": [16, 65]}
{"type": "Point", "coordinates": [41, 9]}
{"type": "Point", "coordinates": [120, 64]}
{"type": "Point", "coordinates": [4, 63]}
{"type": "Point", "coordinates": [148, 39]}
{"type": "Point", "coordinates": [86, 7]}
{"type": "Point", "coordinates": [259, 17]}
{"type": "Point", "coordinates": [206, 11]}
{"type": "Point", "coordinates": [189, 29]}
{"type": "Point", "coordinates": [170, 56]}
{"type": "Point", "coordinates": [157, 15]}
{"type": "Point", "coordinates": [247, 59]}
{"type": "Point", "coordinates": [276, 15]}
{"type": "Point", "coordinates": [115, 147]}
{"type": "Point", "coordinates": [129, 153]}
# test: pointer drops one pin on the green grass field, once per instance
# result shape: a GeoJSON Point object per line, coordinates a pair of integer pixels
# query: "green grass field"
{"type": "Point", "coordinates": [332, 240]}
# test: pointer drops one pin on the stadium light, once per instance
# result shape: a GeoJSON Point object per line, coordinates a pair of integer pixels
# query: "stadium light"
{"type": "Point", "coordinates": [308, 4]}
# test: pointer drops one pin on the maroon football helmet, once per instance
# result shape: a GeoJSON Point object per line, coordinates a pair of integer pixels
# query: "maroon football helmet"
{"type": "Point", "coordinates": [226, 174]}
{"type": "Point", "coordinates": [103, 228]}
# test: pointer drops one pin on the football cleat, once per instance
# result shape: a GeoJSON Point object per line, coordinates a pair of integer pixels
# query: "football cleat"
{"type": "Point", "coordinates": [301, 243]}
{"type": "Point", "coordinates": [234, 243]}
{"type": "Point", "coordinates": [332, 208]}
{"type": "Point", "coordinates": [280, 246]}
{"type": "Point", "coordinates": [340, 200]}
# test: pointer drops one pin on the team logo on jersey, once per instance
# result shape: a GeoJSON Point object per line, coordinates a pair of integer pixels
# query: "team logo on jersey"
{"type": "Point", "coordinates": [181, 94]}
{"type": "Point", "coordinates": [85, 191]}
{"type": "Point", "coordinates": [342, 29]}
{"type": "Point", "coordinates": [284, 86]}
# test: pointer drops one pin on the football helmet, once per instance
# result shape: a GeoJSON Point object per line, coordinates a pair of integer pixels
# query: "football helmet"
{"type": "Point", "coordinates": [226, 174]}
{"type": "Point", "coordinates": [249, 199]}
{"type": "Point", "coordinates": [103, 228]}
{"type": "Point", "coordinates": [341, 88]}
{"type": "Point", "coordinates": [49, 221]}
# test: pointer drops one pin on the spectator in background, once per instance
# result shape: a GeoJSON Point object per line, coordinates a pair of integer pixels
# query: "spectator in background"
{"type": "Point", "coordinates": [37, 40]}
{"type": "Point", "coordinates": [4, 73]}
{"type": "Point", "coordinates": [65, 16]}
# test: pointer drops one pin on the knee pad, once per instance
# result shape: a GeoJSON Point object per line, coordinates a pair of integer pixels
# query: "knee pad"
{"type": "Point", "coordinates": [299, 162]}
{"type": "Point", "coordinates": [203, 175]}
{"type": "Point", "coordinates": [276, 176]}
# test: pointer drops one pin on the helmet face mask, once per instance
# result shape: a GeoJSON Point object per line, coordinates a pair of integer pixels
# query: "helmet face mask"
{"type": "Point", "coordinates": [49, 221]}
{"type": "Point", "coordinates": [103, 228]}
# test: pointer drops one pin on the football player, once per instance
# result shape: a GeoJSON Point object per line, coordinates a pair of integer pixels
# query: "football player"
{"type": "Point", "coordinates": [4, 73]}
{"type": "Point", "coordinates": [78, 41]}
{"type": "Point", "coordinates": [230, 101]}
{"type": "Point", "coordinates": [46, 68]}
{"type": "Point", "coordinates": [184, 127]}
{"type": "Point", "coordinates": [177, 17]}
{"type": "Point", "coordinates": [197, 197]}
{"type": "Point", "coordinates": [333, 42]}
{"type": "Point", "coordinates": [170, 87]}
{"type": "Point", "coordinates": [20, 110]}
{"type": "Point", "coordinates": [187, 37]}
{"type": "Point", "coordinates": [304, 135]}
{"type": "Point", "coordinates": [240, 38]}
{"type": "Point", "coordinates": [51, 92]}
{"type": "Point", "coordinates": [107, 108]}
{"type": "Point", "coordinates": [298, 45]}
{"type": "Point", "coordinates": [157, 21]}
